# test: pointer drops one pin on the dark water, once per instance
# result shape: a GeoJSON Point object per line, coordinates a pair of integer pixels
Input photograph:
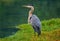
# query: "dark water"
{"type": "Point", "coordinates": [5, 32]}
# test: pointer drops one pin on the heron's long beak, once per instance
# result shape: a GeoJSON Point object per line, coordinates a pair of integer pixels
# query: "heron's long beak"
{"type": "Point", "coordinates": [24, 6]}
{"type": "Point", "coordinates": [27, 6]}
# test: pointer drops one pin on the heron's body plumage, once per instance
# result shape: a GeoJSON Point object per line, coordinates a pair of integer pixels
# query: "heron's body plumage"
{"type": "Point", "coordinates": [35, 22]}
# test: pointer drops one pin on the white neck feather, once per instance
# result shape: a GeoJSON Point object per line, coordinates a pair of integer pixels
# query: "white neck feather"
{"type": "Point", "coordinates": [31, 11]}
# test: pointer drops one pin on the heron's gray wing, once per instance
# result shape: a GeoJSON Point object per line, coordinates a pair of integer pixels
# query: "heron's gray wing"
{"type": "Point", "coordinates": [35, 21]}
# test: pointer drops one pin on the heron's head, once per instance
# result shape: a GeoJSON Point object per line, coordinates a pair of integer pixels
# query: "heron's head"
{"type": "Point", "coordinates": [27, 6]}
{"type": "Point", "coordinates": [31, 8]}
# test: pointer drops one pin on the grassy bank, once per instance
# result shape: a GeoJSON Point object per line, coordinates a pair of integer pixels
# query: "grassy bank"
{"type": "Point", "coordinates": [50, 32]}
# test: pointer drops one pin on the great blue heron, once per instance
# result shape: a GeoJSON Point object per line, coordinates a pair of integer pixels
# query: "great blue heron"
{"type": "Point", "coordinates": [34, 20]}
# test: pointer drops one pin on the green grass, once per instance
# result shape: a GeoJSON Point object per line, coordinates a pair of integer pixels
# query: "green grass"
{"type": "Point", "coordinates": [50, 32]}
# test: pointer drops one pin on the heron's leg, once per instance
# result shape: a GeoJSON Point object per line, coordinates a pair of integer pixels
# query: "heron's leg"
{"type": "Point", "coordinates": [35, 34]}
{"type": "Point", "coordinates": [38, 30]}
{"type": "Point", "coordinates": [39, 33]}
{"type": "Point", "coordinates": [34, 31]}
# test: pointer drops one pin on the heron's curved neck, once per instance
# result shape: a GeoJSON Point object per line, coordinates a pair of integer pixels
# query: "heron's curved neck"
{"type": "Point", "coordinates": [31, 11]}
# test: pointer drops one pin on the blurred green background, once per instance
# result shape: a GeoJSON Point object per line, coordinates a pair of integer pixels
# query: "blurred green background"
{"type": "Point", "coordinates": [12, 13]}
